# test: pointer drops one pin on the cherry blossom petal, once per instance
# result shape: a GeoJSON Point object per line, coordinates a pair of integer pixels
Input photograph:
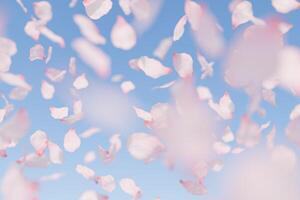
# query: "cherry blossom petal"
{"type": "Point", "coordinates": [228, 135]}
{"type": "Point", "coordinates": [163, 48]}
{"type": "Point", "coordinates": [89, 132]}
{"type": "Point", "coordinates": [125, 6]}
{"type": "Point", "coordinates": [127, 86]}
{"type": "Point", "coordinates": [15, 80]}
{"type": "Point", "coordinates": [71, 141]}
{"type": "Point", "coordinates": [92, 195]}
{"type": "Point", "coordinates": [43, 10]}
{"type": "Point", "coordinates": [47, 90]}
{"type": "Point", "coordinates": [88, 29]}
{"type": "Point", "coordinates": [37, 52]}
{"type": "Point", "coordinates": [18, 93]}
{"type": "Point", "coordinates": [59, 112]}
{"type": "Point", "coordinates": [129, 186]}
{"type": "Point", "coordinates": [55, 75]}
{"type": "Point", "coordinates": [183, 64]}
{"type": "Point", "coordinates": [51, 177]}
{"type": "Point", "coordinates": [151, 67]}
{"type": "Point", "coordinates": [16, 186]}
{"type": "Point", "coordinates": [122, 35]}
{"type": "Point", "coordinates": [85, 172]}
{"type": "Point", "coordinates": [206, 67]}
{"type": "Point", "coordinates": [107, 183]}
{"type": "Point", "coordinates": [56, 154]}
{"type": "Point", "coordinates": [179, 28]}
{"type": "Point", "coordinates": [52, 36]}
{"type": "Point", "coordinates": [285, 6]}
{"type": "Point", "coordinates": [81, 82]}
{"type": "Point", "coordinates": [143, 146]}
{"type": "Point", "coordinates": [89, 157]}
{"type": "Point", "coordinates": [93, 56]}
{"type": "Point", "coordinates": [21, 4]}
{"type": "Point", "coordinates": [146, 116]}
{"type": "Point", "coordinates": [243, 13]}
{"type": "Point", "coordinates": [96, 9]}
{"type": "Point", "coordinates": [225, 108]}
{"type": "Point", "coordinates": [194, 187]}
{"type": "Point", "coordinates": [15, 128]}
{"type": "Point", "coordinates": [39, 141]}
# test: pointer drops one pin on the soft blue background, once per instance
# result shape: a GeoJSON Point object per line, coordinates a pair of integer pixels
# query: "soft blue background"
{"type": "Point", "coordinates": [154, 179]}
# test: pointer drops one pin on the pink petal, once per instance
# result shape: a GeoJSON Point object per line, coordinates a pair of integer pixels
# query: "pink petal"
{"type": "Point", "coordinates": [129, 186]}
{"type": "Point", "coordinates": [88, 29]}
{"type": "Point", "coordinates": [143, 146]}
{"type": "Point", "coordinates": [146, 116]}
{"type": "Point", "coordinates": [71, 141]}
{"type": "Point", "coordinates": [39, 141]}
{"type": "Point", "coordinates": [21, 4]}
{"type": "Point", "coordinates": [47, 90]}
{"type": "Point", "coordinates": [206, 67]}
{"type": "Point", "coordinates": [85, 172]}
{"type": "Point", "coordinates": [55, 75]}
{"type": "Point", "coordinates": [163, 48]}
{"type": "Point", "coordinates": [51, 177]}
{"type": "Point", "coordinates": [37, 52]}
{"type": "Point", "coordinates": [122, 35]}
{"type": "Point", "coordinates": [5, 62]}
{"type": "Point", "coordinates": [59, 112]}
{"type": "Point", "coordinates": [204, 93]}
{"type": "Point", "coordinates": [125, 6]}
{"type": "Point", "coordinates": [18, 93]}
{"type": "Point", "coordinates": [93, 56]}
{"type": "Point", "coordinates": [183, 64]}
{"type": "Point", "coordinates": [96, 9]}
{"type": "Point", "coordinates": [295, 113]}
{"type": "Point", "coordinates": [285, 6]}
{"type": "Point", "coordinates": [89, 132]}
{"type": "Point", "coordinates": [49, 55]}
{"type": "Point", "coordinates": [248, 133]}
{"type": "Point", "coordinates": [7, 46]}
{"type": "Point", "coordinates": [107, 183]}
{"type": "Point", "coordinates": [228, 135]}
{"type": "Point", "coordinates": [92, 195]}
{"type": "Point", "coordinates": [225, 108]}
{"type": "Point", "coordinates": [89, 157]}
{"type": "Point", "coordinates": [179, 28]}
{"type": "Point", "coordinates": [43, 10]}
{"type": "Point", "coordinates": [15, 80]}
{"type": "Point", "coordinates": [127, 86]}
{"type": "Point", "coordinates": [195, 188]}
{"type": "Point", "coordinates": [81, 82]}
{"type": "Point", "coordinates": [151, 67]}
{"type": "Point", "coordinates": [52, 36]}
{"type": "Point", "coordinates": [56, 154]}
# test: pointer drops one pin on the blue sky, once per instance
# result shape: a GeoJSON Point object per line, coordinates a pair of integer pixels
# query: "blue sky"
{"type": "Point", "coordinates": [154, 179]}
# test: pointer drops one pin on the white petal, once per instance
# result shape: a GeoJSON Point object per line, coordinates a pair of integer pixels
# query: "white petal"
{"type": "Point", "coordinates": [47, 90]}
{"type": "Point", "coordinates": [107, 183]}
{"type": "Point", "coordinates": [55, 153]}
{"type": "Point", "coordinates": [71, 141]}
{"type": "Point", "coordinates": [179, 28]}
{"type": "Point", "coordinates": [123, 36]}
{"type": "Point", "coordinates": [59, 113]}
{"type": "Point", "coordinates": [37, 52]}
{"type": "Point", "coordinates": [39, 141]}
{"type": "Point", "coordinates": [129, 186]}
{"type": "Point", "coordinates": [151, 67]}
{"type": "Point", "coordinates": [295, 112]}
{"type": "Point", "coordinates": [55, 75]}
{"type": "Point", "coordinates": [285, 6]}
{"type": "Point", "coordinates": [183, 64]}
{"type": "Point", "coordinates": [163, 48]}
{"type": "Point", "coordinates": [43, 10]}
{"type": "Point", "coordinates": [143, 146]}
{"type": "Point", "coordinates": [81, 82]}
{"type": "Point", "coordinates": [93, 56]}
{"type": "Point", "coordinates": [127, 86]}
{"type": "Point", "coordinates": [95, 9]}
{"type": "Point", "coordinates": [85, 172]}
{"type": "Point", "coordinates": [88, 29]}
